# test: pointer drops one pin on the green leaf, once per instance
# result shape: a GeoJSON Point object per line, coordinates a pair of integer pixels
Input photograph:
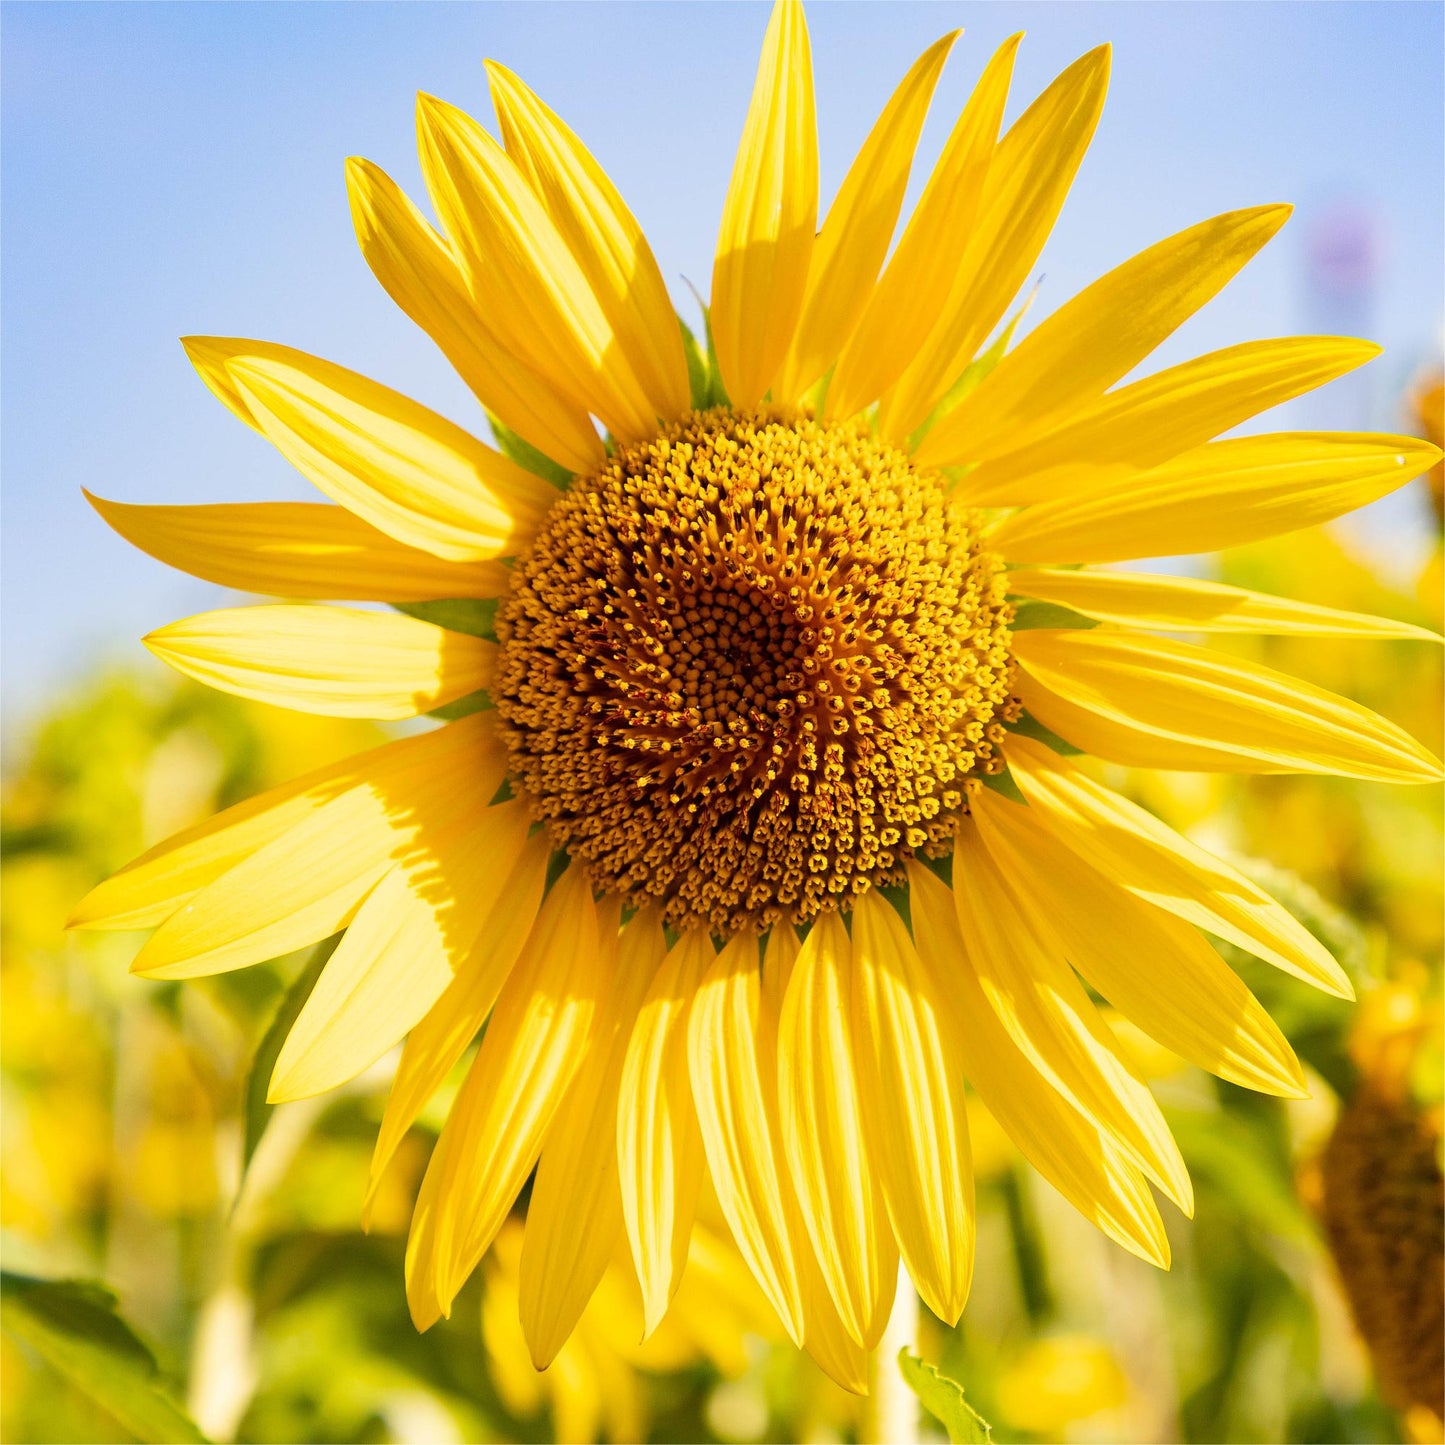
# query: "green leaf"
{"type": "Point", "coordinates": [476, 616]}
{"type": "Point", "coordinates": [526, 455]}
{"type": "Point", "coordinates": [73, 1326]}
{"type": "Point", "coordinates": [258, 1111]}
{"type": "Point", "coordinates": [1030, 727]}
{"type": "Point", "coordinates": [943, 1399]}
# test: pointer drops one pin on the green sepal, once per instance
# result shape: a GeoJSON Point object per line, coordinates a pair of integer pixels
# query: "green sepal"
{"type": "Point", "coordinates": [1002, 784]}
{"type": "Point", "coordinates": [973, 374]}
{"type": "Point", "coordinates": [943, 1398]}
{"type": "Point", "coordinates": [1030, 614]}
{"type": "Point", "coordinates": [478, 701]}
{"type": "Point", "coordinates": [73, 1325]}
{"type": "Point", "coordinates": [476, 616]}
{"type": "Point", "coordinates": [527, 456]}
{"type": "Point", "coordinates": [1030, 727]}
{"type": "Point", "coordinates": [703, 375]}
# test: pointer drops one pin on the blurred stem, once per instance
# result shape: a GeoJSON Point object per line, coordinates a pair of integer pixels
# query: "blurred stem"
{"type": "Point", "coordinates": [890, 1409]}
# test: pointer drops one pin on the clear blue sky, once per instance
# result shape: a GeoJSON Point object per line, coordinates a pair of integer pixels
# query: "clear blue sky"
{"type": "Point", "coordinates": [175, 168]}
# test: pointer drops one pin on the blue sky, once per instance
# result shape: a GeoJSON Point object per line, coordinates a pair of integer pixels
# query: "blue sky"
{"type": "Point", "coordinates": [177, 168]}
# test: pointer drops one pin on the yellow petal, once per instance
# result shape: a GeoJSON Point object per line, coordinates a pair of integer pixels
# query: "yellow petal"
{"type": "Point", "coordinates": [839, 1356]}
{"type": "Point", "coordinates": [1186, 604]}
{"type": "Point", "coordinates": [306, 883]}
{"type": "Point", "coordinates": [659, 1148]}
{"type": "Point", "coordinates": [574, 1216]}
{"type": "Point", "coordinates": [1028, 179]}
{"type": "Point", "coordinates": [1064, 1145]}
{"type": "Point", "coordinates": [907, 302]}
{"type": "Point", "coordinates": [400, 952]}
{"type": "Point", "coordinates": [521, 272]}
{"type": "Point", "coordinates": [1159, 972]}
{"type": "Point", "coordinates": [442, 1036]}
{"type": "Point", "coordinates": [333, 660]}
{"type": "Point", "coordinates": [912, 1096]}
{"type": "Point", "coordinates": [1081, 350]}
{"type": "Point", "coordinates": [737, 1137]}
{"type": "Point", "coordinates": [421, 274]}
{"type": "Point", "coordinates": [822, 1127]}
{"type": "Point", "coordinates": [1147, 422]}
{"type": "Point", "coordinates": [149, 889]}
{"type": "Point", "coordinates": [855, 237]}
{"type": "Point", "coordinates": [494, 1133]}
{"type": "Point", "coordinates": [1217, 495]}
{"type": "Point", "coordinates": [296, 549]}
{"type": "Point", "coordinates": [406, 470]}
{"type": "Point", "coordinates": [1163, 867]}
{"type": "Point", "coordinates": [602, 234]}
{"type": "Point", "coordinates": [1047, 1014]}
{"type": "Point", "coordinates": [1151, 702]}
{"type": "Point", "coordinates": [765, 243]}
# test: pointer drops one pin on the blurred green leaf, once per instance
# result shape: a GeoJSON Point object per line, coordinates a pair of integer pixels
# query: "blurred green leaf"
{"type": "Point", "coordinates": [943, 1399]}
{"type": "Point", "coordinates": [527, 456]}
{"type": "Point", "coordinates": [73, 1325]}
{"type": "Point", "coordinates": [258, 1111]}
{"type": "Point", "coordinates": [703, 375]}
{"type": "Point", "coordinates": [463, 706]}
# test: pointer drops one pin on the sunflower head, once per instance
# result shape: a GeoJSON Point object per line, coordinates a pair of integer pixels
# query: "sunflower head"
{"type": "Point", "coordinates": [751, 667]}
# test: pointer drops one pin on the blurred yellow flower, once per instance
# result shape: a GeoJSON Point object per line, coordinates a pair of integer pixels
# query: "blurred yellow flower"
{"type": "Point", "coordinates": [1058, 1381]}
{"type": "Point", "coordinates": [806, 635]}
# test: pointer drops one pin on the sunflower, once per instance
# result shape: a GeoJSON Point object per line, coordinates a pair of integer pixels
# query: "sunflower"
{"type": "Point", "coordinates": [757, 830]}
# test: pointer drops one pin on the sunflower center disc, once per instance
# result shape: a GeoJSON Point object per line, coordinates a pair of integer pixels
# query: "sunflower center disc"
{"type": "Point", "coordinates": [749, 667]}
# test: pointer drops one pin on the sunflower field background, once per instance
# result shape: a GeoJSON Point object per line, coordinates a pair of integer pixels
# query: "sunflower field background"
{"type": "Point", "coordinates": [184, 1262]}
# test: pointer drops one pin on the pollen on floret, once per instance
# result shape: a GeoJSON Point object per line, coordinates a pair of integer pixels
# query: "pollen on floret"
{"type": "Point", "coordinates": [753, 666]}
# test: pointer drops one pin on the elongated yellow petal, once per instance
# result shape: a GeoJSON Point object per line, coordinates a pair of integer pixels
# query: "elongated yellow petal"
{"type": "Point", "coordinates": [306, 883]}
{"type": "Point", "coordinates": [421, 274]}
{"type": "Point", "coordinates": [522, 273]}
{"type": "Point", "coordinates": [1065, 1146]}
{"type": "Point", "coordinates": [821, 1113]}
{"type": "Point", "coordinates": [765, 243]}
{"type": "Point", "coordinates": [1186, 604]}
{"type": "Point", "coordinates": [494, 1133]}
{"type": "Point", "coordinates": [442, 1036]}
{"type": "Point", "coordinates": [1147, 422]}
{"type": "Point", "coordinates": [1159, 972]}
{"type": "Point", "coordinates": [912, 1095]}
{"type": "Point", "coordinates": [855, 237]}
{"type": "Point", "coordinates": [659, 1147]}
{"type": "Point", "coordinates": [1105, 331]}
{"type": "Point", "coordinates": [150, 888]}
{"type": "Point", "coordinates": [842, 1358]}
{"type": "Point", "coordinates": [400, 953]}
{"type": "Point", "coordinates": [404, 469]}
{"type": "Point", "coordinates": [602, 234]}
{"type": "Point", "coordinates": [574, 1217]}
{"type": "Point", "coordinates": [907, 302]}
{"type": "Point", "coordinates": [1163, 867]}
{"type": "Point", "coordinates": [1028, 179]}
{"type": "Point", "coordinates": [1047, 1014]}
{"type": "Point", "coordinates": [296, 549]}
{"type": "Point", "coordinates": [333, 660]}
{"type": "Point", "coordinates": [1154, 703]}
{"type": "Point", "coordinates": [736, 1134]}
{"type": "Point", "coordinates": [1218, 495]}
